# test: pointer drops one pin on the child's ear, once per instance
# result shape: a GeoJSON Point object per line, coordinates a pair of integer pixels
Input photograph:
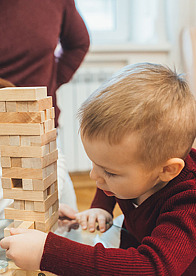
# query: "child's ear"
{"type": "Point", "coordinates": [171, 169]}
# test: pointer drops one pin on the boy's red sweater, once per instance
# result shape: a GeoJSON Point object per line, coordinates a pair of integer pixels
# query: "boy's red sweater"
{"type": "Point", "coordinates": [162, 237]}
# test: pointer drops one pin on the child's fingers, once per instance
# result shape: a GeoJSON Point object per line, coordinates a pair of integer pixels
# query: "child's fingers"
{"type": "Point", "coordinates": [16, 231]}
{"type": "Point", "coordinates": [82, 220]}
{"type": "Point", "coordinates": [102, 223]}
{"type": "Point", "coordinates": [91, 222]}
{"type": "Point", "coordinates": [5, 243]}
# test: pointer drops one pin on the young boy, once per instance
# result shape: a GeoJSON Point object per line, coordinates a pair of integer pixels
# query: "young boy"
{"type": "Point", "coordinates": [138, 130]}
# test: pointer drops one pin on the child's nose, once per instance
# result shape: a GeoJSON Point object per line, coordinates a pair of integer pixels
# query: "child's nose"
{"type": "Point", "coordinates": [93, 174]}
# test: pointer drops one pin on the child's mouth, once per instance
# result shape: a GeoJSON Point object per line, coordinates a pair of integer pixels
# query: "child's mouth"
{"type": "Point", "coordinates": [108, 193]}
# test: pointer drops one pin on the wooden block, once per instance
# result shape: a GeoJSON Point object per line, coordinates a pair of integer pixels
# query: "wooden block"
{"type": "Point", "coordinates": [45, 226]}
{"type": "Point", "coordinates": [18, 224]}
{"type": "Point", "coordinates": [21, 129]}
{"type": "Point", "coordinates": [42, 185]}
{"type": "Point", "coordinates": [38, 140]}
{"type": "Point", "coordinates": [7, 229]}
{"type": "Point", "coordinates": [24, 151]}
{"type": "Point", "coordinates": [2, 107]}
{"type": "Point", "coordinates": [16, 162]}
{"type": "Point", "coordinates": [27, 225]}
{"type": "Point", "coordinates": [10, 106]}
{"type": "Point", "coordinates": [19, 204]}
{"type": "Point", "coordinates": [32, 163]}
{"type": "Point", "coordinates": [47, 170]}
{"type": "Point", "coordinates": [21, 107]}
{"type": "Point", "coordinates": [52, 113]}
{"type": "Point", "coordinates": [48, 114]}
{"type": "Point", "coordinates": [14, 140]}
{"type": "Point", "coordinates": [48, 125]}
{"type": "Point", "coordinates": [27, 184]}
{"type": "Point", "coordinates": [29, 205]}
{"type": "Point", "coordinates": [22, 117]}
{"type": "Point", "coordinates": [6, 183]}
{"type": "Point", "coordinates": [19, 194]}
{"type": "Point", "coordinates": [46, 149]}
{"type": "Point", "coordinates": [54, 227]}
{"type": "Point", "coordinates": [23, 93]}
{"type": "Point", "coordinates": [6, 162]}
{"type": "Point", "coordinates": [4, 140]}
{"type": "Point", "coordinates": [53, 146]}
{"type": "Point", "coordinates": [11, 213]}
{"type": "Point", "coordinates": [25, 173]}
{"type": "Point", "coordinates": [38, 163]}
{"type": "Point", "coordinates": [46, 204]}
{"type": "Point", "coordinates": [40, 105]}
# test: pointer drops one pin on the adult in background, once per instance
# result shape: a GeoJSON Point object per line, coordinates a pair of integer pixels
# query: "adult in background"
{"type": "Point", "coordinates": [29, 34]}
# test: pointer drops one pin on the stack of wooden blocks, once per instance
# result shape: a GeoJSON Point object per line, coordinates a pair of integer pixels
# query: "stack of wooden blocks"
{"type": "Point", "coordinates": [29, 158]}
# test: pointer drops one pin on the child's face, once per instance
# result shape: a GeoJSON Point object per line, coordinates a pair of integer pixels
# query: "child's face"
{"type": "Point", "coordinates": [117, 170]}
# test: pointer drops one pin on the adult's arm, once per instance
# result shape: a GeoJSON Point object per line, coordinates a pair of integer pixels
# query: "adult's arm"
{"type": "Point", "coordinates": [74, 42]}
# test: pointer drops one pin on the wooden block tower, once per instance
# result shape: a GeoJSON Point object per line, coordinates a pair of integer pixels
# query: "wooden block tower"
{"type": "Point", "coordinates": [29, 157]}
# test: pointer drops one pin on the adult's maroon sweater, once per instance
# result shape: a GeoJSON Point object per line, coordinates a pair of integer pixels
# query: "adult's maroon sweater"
{"type": "Point", "coordinates": [29, 34]}
{"type": "Point", "coordinates": [162, 239]}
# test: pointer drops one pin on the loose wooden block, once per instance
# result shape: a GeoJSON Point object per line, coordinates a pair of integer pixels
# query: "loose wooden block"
{"type": "Point", "coordinates": [22, 117]}
{"type": "Point", "coordinates": [38, 163]}
{"type": "Point", "coordinates": [16, 162]}
{"type": "Point", "coordinates": [19, 204]}
{"type": "Point", "coordinates": [14, 140]}
{"type": "Point", "coordinates": [6, 183]}
{"type": "Point", "coordinates": [42, 185]}
{"type": "Point", "coordinates": [2, 107]}
{"type": "Point", "coordinates": [46, 204]}
{"type": "Point", "coordinates": [6, 162]}
{"type": "Point", "coordinates": [22, 93]}
{"type": "Point", "coordinates": [10, 106]}
{"type": "Point", "coordinates": [24, 151]}
{"type": "Point", "coordinates": [40, 105]}
{"type": "Point", "coordinates": [19, 194]}
{"type": "Point", "coordinates": [27, 184]}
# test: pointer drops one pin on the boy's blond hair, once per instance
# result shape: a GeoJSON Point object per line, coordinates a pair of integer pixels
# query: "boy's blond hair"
{"type": "Point", "coordinates": [147, 99]}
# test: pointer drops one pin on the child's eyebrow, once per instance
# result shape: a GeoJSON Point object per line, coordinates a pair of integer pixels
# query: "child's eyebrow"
{"type": "Point", "coordinates": [107, 169]}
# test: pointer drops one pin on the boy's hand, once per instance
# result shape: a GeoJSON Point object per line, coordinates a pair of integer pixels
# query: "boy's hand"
{"type": "Point", "coordinates": [88, 219]}
{"type": "Point", "coordinates": [25, 247]}
{"type": "Point", "coordinates": [67, 218]}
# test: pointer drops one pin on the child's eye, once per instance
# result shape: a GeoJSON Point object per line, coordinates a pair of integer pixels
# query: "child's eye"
{"type": "Point", "coordinates": [108, 174]}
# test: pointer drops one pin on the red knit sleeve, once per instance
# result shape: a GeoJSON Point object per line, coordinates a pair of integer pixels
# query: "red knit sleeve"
{"type": "Point", "coordinates": [74, 39]}
{"type": "Point", "coordinates": [169, 250]}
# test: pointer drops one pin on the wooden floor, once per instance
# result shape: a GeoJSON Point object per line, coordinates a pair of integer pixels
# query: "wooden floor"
{"type": "Point", "coordinates": [85, 189]}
